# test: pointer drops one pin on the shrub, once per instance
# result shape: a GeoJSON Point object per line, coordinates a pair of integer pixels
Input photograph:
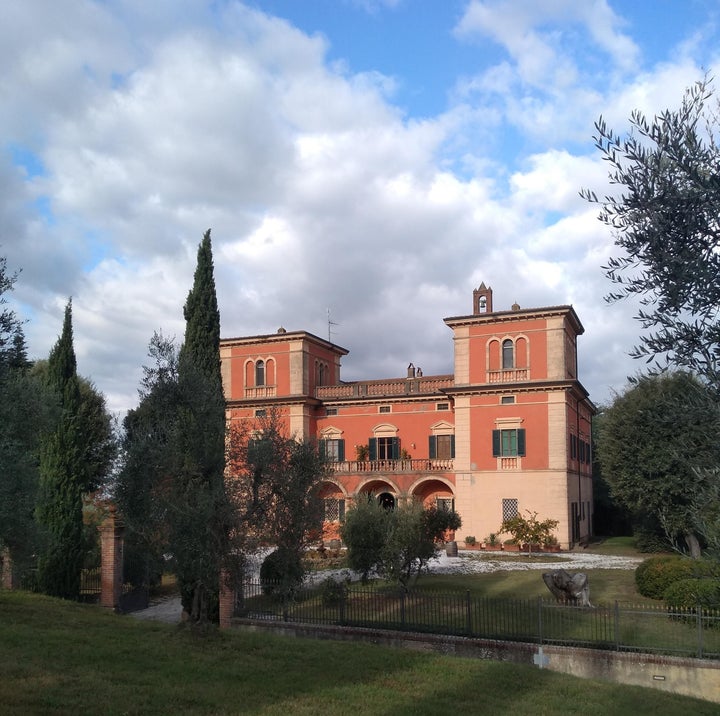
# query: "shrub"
{"type": "Point", "coordinates": [333, 593]}
{"type": "Point", "coordinates": [656, 574]}
{"type": "Point", "coordinates": [281, 573]}
{"type": "Point", "coordinates": [650, 542]}
{"type": "Point", "coordinates": [470, 541]}
{"type": "Point", "coordinates": [690, 593]}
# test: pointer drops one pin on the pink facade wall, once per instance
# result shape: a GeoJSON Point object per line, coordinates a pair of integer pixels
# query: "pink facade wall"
{"type": "Point", "coordinates": [549, 405]}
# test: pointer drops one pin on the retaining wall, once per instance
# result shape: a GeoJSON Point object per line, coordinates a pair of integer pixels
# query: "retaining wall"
{"type": "Point", "coordinates": [690, 677]}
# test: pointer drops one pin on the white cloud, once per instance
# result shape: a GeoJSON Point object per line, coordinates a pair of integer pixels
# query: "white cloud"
{"type": "Point", "coordinates": [154, 124]}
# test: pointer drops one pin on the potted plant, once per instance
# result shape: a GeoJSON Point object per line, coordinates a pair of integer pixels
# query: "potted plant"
{"type": "Point", "coordinates": [492, 541]}
{"type": "Point", "coordinates": [470, 541]}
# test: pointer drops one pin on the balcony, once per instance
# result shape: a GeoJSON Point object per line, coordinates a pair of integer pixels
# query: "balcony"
{"type": "Point", "coordinates": [382, 388]}
{"type": "Point", "coordinates": [351, 467]}
{"type": "Point", "coordinates": [260, 391]}
{"type": "Point", "coordinates": [512, 375]}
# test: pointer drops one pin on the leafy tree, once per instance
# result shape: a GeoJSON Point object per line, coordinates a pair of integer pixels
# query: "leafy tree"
{"type": "Point", "coordinates": [142, 485]}
{"type": "Point", "coordinates": [26, 411]}
{"type": "Point", "coordinates": [274, 484]}
{"type": "Point", "coordinates": [10, 326]}
{"type": "Point", "coordinates": [665, 220]}
{"type": "Point", "coordinates": [529, 530]}
{"type": "Point", "coordinates": [198, 510]}
{"type": "Point", "coordinates": [652, 441]}
{"type": "Point", "coordinates": [397, 543]}
{"type": "Point", "coordinates": [609, 517]}
{"type": "Point", "coordinates": [364, 533]}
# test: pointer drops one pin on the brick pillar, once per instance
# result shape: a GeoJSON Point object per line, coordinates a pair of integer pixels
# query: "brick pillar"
{"type": "Point", "coordinates": [8, 576]}
{"type": "Point", "coordinates": [227, 600]}
{"type": "Point", "coordinates": [111, 548]}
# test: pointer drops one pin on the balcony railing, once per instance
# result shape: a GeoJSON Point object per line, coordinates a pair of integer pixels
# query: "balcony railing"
{"type": "Point", "coordinates": [408, 465]}
{"type": "Point", "coordinates": [379, 388]}
{"type": "Point", "coordinates": [513, 375]}
{"type": "Point", "coordinates": [261, 391]}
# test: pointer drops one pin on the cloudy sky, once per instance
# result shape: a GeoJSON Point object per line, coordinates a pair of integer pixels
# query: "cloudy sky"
{"type": "Point", "coordinates": [377, 158]}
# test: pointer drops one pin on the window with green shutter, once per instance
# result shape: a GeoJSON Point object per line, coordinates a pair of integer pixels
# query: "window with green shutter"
{"type": "Point", "coordinates": [384, 448]}
{"type": "Point", "coordinates": [332, 450]}
{"type": "Point", "coordinates": [508, 443]}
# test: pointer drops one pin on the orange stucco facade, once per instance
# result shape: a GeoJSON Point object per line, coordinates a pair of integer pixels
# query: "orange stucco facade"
{"type": "Point", "coordinates": [507, 431]}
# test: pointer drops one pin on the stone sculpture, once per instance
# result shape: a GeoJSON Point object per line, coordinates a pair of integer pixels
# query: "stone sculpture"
{"type": "Point", "coordinates": [571, 588]}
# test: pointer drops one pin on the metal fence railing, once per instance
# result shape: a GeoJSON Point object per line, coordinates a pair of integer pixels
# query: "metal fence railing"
{"type": "Point", "coordinates": [618, 626]}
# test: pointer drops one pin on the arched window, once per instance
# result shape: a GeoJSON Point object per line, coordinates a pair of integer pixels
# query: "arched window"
{"type": "Point", "coordinates": [508, 354]}
{"type": "Point", "coordinates": [260, 373]}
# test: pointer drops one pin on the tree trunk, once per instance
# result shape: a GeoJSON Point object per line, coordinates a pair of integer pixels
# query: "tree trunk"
{"type": "Point", "coordinates": [693, 545]}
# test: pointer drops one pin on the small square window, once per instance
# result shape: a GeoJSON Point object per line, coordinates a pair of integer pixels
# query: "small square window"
{"type": "Point", "coordinates": [507, 399]}
{"type": "Point", "coordinates": [442, 406]}
{"type": "Point", "coordinates": [261, 413]}
{"type": "Point", "coordinates": [331, 411]}
{"type": "Point", "coordinates": [384, 409]}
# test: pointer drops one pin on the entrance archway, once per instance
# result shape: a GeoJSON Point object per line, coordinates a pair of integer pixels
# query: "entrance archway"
{"type": "Point", "coordinates": [386, 500]}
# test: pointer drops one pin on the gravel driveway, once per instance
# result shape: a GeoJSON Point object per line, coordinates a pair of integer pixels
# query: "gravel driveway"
{"type": "Point", "coordinates": [170, 611]}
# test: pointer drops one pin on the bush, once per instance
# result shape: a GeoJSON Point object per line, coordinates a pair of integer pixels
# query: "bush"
{"type": "Point", "coordinates": [690, 593]}
{"type": "Point", "coordinates": [470, 541]}
{"type": "Point", "coordinates": [333, 593]}
{"type": "Point", "coordinates": [648, 541]}
{"type": "Point", "coordinates": [281, 573]}
{"type": "Point", "coordinates": [656, 574]}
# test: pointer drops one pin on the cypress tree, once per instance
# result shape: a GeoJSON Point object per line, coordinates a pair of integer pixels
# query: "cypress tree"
{"type": "Point", "coordinates": [198, 514]}
{"type": "Point", "coordinates": [62, 477]}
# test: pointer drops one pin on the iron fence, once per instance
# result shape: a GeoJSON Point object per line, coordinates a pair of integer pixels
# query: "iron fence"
{"type": "Point", "coordinates": [618, 626]}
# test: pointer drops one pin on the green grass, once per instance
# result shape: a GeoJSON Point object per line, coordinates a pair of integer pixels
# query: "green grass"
{"type": "Point", "coordinates": [606, 585]}
{"type": "Point", "coordinates": [63, 658]}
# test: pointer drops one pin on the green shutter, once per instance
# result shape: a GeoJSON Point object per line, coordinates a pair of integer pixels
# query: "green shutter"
{"type": "Point", "coordinates": [341, 450]}
{"type": "Point", "coordinates": [322, 449]}
{"type": "Point", "coordinates": [496, 443]}
{"type": "Point", "coordinates": [452, 450]}
{"type": "Point", "coordinates": [341, 510]}
{"type": "Point", "coordinates": [432, 447]}
{"type": "Point", "coordinates": [394, 448]}
{"type": "Point", "coordinates": [521, 442]}
{"type": "Point", "coordinates": [372, 449]}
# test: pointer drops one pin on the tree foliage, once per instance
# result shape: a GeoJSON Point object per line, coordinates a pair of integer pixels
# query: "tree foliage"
{"type": "Point", "coordinates": [26, 412]}
{"type": "Point", "coordinates": [274, 485]}
{"type": "Point", "coordinates": [198, 510]}
{"type": "Point", "coordinates": [142, 485]}
{"type": "Point", "coordinates": [529, 530]}
{"type": "Point", "coordinates": [10, 326]}
{"type": "Point", "coordinates": [62, 477]}
{"type": "Point", "coordinates": [397, 544]}
{"type": "Point", "coordinates": [655, 443]}
{"type": "Point", "coordinates": [666, 220]}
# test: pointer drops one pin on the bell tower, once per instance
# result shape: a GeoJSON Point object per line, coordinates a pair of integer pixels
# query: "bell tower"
{"type": "Point", "coordinates": [482, 300]}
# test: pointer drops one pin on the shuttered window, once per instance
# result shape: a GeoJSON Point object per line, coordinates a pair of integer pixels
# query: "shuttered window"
{"type": "Point", "coordinates": [508, 443]}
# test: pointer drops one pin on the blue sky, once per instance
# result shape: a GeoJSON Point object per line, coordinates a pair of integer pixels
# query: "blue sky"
{"type": "Point", "coordinates": [378, 158]}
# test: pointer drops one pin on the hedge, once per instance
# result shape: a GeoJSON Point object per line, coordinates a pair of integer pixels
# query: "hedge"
{"type": "Point", "coordinates": [656, 574]}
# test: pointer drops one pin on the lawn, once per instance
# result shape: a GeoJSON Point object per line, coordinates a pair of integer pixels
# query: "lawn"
{"type": "Point", "coordinates": [61, 658]}
{"type": "Point", "coordinates": [606, 585]}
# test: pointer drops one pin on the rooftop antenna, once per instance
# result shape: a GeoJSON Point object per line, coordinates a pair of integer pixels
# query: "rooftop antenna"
{"type": "Point", "coordinates": [330, 325]}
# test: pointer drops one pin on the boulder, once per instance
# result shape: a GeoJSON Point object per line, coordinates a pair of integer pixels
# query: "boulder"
{"type": "Point", "coordinates": [572, 588]}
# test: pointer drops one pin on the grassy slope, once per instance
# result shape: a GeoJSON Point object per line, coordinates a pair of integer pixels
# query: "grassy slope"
{"type": "Point", "coordinates": [60, 658]}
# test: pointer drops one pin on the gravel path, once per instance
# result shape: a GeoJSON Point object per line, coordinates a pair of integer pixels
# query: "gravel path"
{"type": "Point", "coordinates": [170, 611]}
